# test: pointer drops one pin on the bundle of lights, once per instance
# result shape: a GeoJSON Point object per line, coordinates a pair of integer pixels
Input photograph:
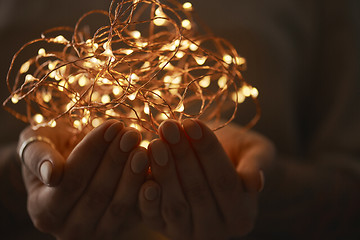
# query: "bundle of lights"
{"type": "Point", "coordinates": [151, 62]}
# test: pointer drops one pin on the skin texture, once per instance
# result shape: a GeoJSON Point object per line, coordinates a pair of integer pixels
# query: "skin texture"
{"type": "Point", "coordinates": [91, 193]}
{"type": "Point", "coordinates": [201, 190]}
{"type": "Point", "coordinates": [197, 189]}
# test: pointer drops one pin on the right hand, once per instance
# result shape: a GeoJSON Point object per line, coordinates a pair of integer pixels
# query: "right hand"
{"type": "Point", "coordinates": [89, 191]}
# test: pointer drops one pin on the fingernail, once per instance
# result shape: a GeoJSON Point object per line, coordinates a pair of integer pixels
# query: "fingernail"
{"type": "Point", "coordinates": [129, 140]}
{"type": "Point", "coordinates": [139, 162]}
{"type": "Point", "coordinates": [192, 129]}
{"type": "Point", "coordinates": [159, 153]}
{"type": "Point", "coordinates": [262, 180]}
{"type": "Point", "coordinates": [151, 193]}
{"type": "Point", "coordinates": [112, 131]}
{"type": "Point", "coordinates": [46, 171]}
{"type": "Point", "coordinates": [170, 131]}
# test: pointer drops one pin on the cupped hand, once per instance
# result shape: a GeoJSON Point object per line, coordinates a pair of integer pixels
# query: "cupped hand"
{"type": "Point", "coordinates": [200, 190]}
{"type": "Point", "coordinates": [89, 191]}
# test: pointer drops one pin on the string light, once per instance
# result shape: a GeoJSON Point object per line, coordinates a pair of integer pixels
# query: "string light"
{"type": "Point", "coordinates": [147, 64]}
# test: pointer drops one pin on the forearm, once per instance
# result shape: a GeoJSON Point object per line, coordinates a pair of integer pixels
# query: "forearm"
{"type": "Point", "coordinates": [310, 201]}
{"type": "Point", "coordinates": [14, 220]}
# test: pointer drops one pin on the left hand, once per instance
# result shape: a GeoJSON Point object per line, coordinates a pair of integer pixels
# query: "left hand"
{"type": "Point", "coordinates": [197, 193]}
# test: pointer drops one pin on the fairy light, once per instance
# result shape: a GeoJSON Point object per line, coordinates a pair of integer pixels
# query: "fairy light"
{"type": "Point", "coordinates": [38, 118]}
{"type": "Point", "coordinates": [186, 24]}
{"type": "Point", "coordinates": [205, 82]}
{"type": "Point", "coordinates": [139, 72]}
{"type": "Point", "coordinates": [187, 6]}
{"type": "Point", "coordinates": [144, 143]}
{"type": "Point", "coordinates": [227, 58]}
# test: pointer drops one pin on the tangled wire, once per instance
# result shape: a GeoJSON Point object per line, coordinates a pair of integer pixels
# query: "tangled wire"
{"type": "Point", "coordinates": [149, 63]}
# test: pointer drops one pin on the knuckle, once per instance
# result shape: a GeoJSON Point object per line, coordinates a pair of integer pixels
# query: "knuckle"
{"type": "Point", "coordinates": [175, 212]}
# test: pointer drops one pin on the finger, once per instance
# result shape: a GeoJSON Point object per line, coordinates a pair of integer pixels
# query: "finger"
{"type": "Point", "coordinates": [122, 211]}
{"type": "Point", "coordinates": [41, 159]}
{"type": "Point", "coordinates": [222, 177]}
{"type": "Point", "coordinates": [149, 203]}
{"type": "Point", "coordinates": [78, 171]}
{"type": "Point", "coordinates": [174, 208]}
{"type": "Point", "coordinates": [92, 203]}
{"type": "Point", "coordinates": [249, 171]}
{"type": "Point", "coordinates": [194, 184]}
{"type": "Point", "coordinates": [252, 162]}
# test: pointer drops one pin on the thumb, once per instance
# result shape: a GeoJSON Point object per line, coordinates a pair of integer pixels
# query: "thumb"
{"type": "Point", "coordinates": [41, 158]}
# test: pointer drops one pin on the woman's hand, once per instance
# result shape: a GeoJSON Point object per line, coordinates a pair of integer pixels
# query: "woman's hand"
{"type": "Point", "coordinates": [201, 191]}
{"type": "Point", "coordinates": [91, 193]}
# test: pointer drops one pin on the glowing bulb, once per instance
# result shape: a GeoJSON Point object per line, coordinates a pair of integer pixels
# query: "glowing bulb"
{"type": "Point", "coordinates": [146, 109]}
{"type": "Point", "coordinates": [132, 96]}
{"type": "Point", "coordinates": [84, 120]}
{"type": "Point", "coordinates": [62, 84]}
{"type": "Point", "coordinates": [193, 47]}
{"type": "Point", "coordinates": [96, 96]}
{"type": "Point", "coordinates": [41, 52]}
{"type": "Point", "coordinates": [239, 97]}
{"type": "Point", "coordinates": [205, 82]}
{"type": "Point", "coordinates": [162, 116]}
{"type": "Point", "coordinates": [157, 94]}
{"type": "Point", "coordinates": [146, 65]}
{"type": "Point", "coordinates": [96, 122]}
{"type": "Point", "coordinates": [186, 24]}
{"type": "Point", "coordinates": [222, 81]}
{"type": "Point", "coordinates": [128, 51]}
{"type": "Point", "coordinates": [246, 91]}
{"type": "Point", "coordinates": [187, 6]}
{"type": "Point", "coordinates": [77, 124]}
{"type": "Point", "coordinates": [105, 98]}
{"type": "Point", "coordinates": [15, 99]}
{"type": "Point", "coordinates": [108, 53]}
{"type": "Point", "coordinates": [71, 79]}
{"type": "Point", "coordinates": [159, 21]}
{"type": "Point", "coordinates": [47, 97]}
{"type": "Point", "coordinates": [134, 125]}
{"type": "Point", "coordinates": [117, 90]}
{"type": "Point", "coordinates": [240, 60]}
{"type": "Point", "coordinates": [104, 81]}
{"type": "Point", "coordinates": [60, 39]}
{"type": "Point", "coordinates": [25, 67]}
{"type": "Point", "coordinates": [159, 12]}
{"type": "Point", "coordinates": [144, 143]}
{"type": "Point", "coordinates": [254, 92]}
{"type": "Point", "coordinates": [180, 54]}
{"type": "Point", "coordinates": [111, 113]}
{"type": "Point", "coordinates": [176, 80]}
{"type": "Point", "coordinates": [29, 78]}
{"type": "Point", "coordinates": [52, 123]}
{"type": "Point", "coordinates": [52, 65]}
{"type": "Point", "coordinates": [133, 78]}
{"type": "Point", "coordinates": [82, 81]}
{"type": "Point", "coordinates": [200, 59]}
{"type": "Point", "coordinates": [227, 58]}
{"type": "Point", "coordinates": [38, 118]}
{"type": "Point", "coordinates": [180, 108]}
{"type": "Point", "coordinates": [135, 34]}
